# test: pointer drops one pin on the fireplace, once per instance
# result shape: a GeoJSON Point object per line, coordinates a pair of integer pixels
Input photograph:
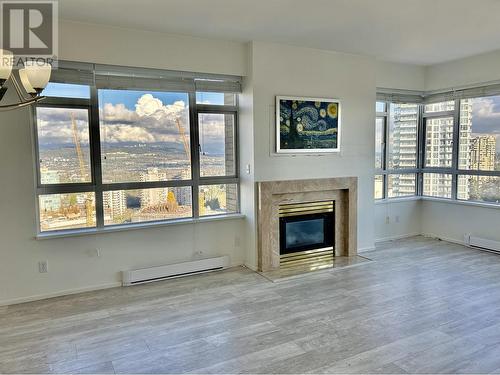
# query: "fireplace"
{"type": "Point", "coordinates": [306, 232]}
{"type": "Point", "coordinates": [281, 209]}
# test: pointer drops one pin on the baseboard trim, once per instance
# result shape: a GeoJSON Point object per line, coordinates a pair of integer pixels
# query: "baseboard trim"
{"type": "Point", "coordinates": [398, 237]}
{"type": "Point", "coordinates": [61, 293]}
{"type": "Point", "coordinates": [365, 249]}
{"type": "Point", "coordinates": [446, 239]}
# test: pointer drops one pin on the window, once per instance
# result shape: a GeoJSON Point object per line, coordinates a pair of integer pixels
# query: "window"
{"type": "Point", "coordinates": [479, 188]}
{"type": "Point", "coordinates": [403, 125]}
{"type": "Point", "coordinates": [437, 185]}
{"type": "Point", "coordinates": [379, 186]}
{"type": "Point", "coordinates": [115, 153]}
{"type": "Point", "coordinates": [379, 142]}
{"type": "Point", "coordinates": [438, 142]}
{"type": "Point", "coordinates": [458, 148]}
{"type": "Point", "coordinates": [396, 159]}
{"type": "Point", "coordinates": [401, 185]}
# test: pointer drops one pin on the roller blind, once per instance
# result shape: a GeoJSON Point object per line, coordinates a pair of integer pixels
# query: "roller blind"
{"type": "Point", "coordinates": [116, 77]}
{"type": "Point", "coordinates": [465, 93]}
{"type": "Point", "coordinates": [399, 96]}
{"type": "Point", "coordinates": [73, 72]}
{"type": "Point", "coordinates": [112, 77]}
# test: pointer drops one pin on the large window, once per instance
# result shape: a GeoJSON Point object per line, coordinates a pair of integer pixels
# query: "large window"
{"type": "Point", "coordinates": [458, 149]}
{"type": "Point", "coordinates": [115, 155]}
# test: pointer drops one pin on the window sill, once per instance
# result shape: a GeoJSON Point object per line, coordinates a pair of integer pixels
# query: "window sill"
{"type": "Point", "coordinates": [462, 203]}
{"type": "Point", "coordinates": [440, 200]}
{"type": "Point", "coordinates": [398, 200]}
{"type": "Point", "coordinates": [136, 226]}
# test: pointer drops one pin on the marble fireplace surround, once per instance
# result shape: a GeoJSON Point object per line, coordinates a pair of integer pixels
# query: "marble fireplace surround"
{"type": "Point", "coordinates": [342, 190]}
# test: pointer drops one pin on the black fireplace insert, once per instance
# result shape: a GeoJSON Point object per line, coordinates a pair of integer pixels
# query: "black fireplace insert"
{"type": "Point", "coordinates": [306, 232]}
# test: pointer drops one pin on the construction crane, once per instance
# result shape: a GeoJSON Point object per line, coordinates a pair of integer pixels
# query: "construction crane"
{"type": "Point", "coordinates": [184, 138]}
{"type": "Point", "coordinates": [79, 153]}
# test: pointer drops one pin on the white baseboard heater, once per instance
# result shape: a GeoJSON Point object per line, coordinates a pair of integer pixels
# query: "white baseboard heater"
{"type": "Point", "coordinates": [482, 243]}
{"type": "Point", "coordinates": [170, 271]}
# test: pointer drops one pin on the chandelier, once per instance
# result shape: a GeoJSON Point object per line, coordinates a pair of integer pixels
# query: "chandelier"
{"type": "Point", "coordinates": [29, 83]}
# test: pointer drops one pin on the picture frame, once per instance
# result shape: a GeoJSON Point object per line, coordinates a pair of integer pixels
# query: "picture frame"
{"type": "Point", "coordinates": [306, 125]}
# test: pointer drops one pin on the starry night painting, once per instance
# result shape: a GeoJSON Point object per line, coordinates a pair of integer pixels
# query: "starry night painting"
{"type": "Point", "coordinates": [307, 125]}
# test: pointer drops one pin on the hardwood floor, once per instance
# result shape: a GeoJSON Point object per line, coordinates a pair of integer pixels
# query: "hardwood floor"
{"type": "Point", "coordinates": [422, 306]}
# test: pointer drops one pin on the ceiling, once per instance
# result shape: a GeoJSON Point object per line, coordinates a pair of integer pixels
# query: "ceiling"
{"type": "Point", "coordinates": [410, 31]}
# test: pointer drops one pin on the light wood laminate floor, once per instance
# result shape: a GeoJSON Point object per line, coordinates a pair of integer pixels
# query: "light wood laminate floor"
{"type": "Point", "coordinates": [422, 306]}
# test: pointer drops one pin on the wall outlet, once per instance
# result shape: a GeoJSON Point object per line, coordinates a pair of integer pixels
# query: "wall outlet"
{"type": "Point", "coordinates": [198, 253]}
{"type": "Point", "coordinates": [396, 219]}
{"type": "Point", "coordinates": [43, 266]}
{"type": "Point", "coordinates": [248, 168]}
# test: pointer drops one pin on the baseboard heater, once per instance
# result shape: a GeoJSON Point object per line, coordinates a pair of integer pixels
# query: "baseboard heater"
{"type": "Point", "coordinates": [170, 271]}
{"type": "Point", "coordinates": [483, 243]}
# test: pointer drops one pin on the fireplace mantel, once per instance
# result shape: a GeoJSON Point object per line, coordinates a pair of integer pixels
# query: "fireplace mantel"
{"type": "Point", "coordinates": [271, 194]}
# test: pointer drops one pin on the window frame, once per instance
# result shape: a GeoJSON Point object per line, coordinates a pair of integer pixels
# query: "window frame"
{"type": "Point", "coordinates": [96, 184]}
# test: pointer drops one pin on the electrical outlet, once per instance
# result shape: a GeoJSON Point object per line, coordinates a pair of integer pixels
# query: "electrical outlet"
{"type": "Point", "coordinates": [198, 253]}
{"type": "Point", "coordinates": [397, 219]}
{"type": "Point", "coordinates": [43, 266]}
{"type": "Point", "coordinates": [387, 219]}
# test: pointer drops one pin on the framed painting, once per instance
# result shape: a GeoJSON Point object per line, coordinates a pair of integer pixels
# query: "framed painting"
{"type": "Point", "coordinates": [307, 125]}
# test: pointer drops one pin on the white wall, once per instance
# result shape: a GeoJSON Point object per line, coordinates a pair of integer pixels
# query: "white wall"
{"type": "Point", "coordinates": [451, 221]}
{"type": "Point", "coordinates": [400, 76]}
{"type": "Point", "coordinates": [294, 71]}
{"type": "Point", "coordinates": [126, 47]}
{"type": "Point", "coordinates": [469, 71]}
{"type": "Point", "coordinates": [71, 266]}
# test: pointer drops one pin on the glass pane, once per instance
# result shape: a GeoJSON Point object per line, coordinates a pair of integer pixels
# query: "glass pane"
{"type": "Point", "coordinates": [66, 211]}
{"type": "Point", "coordinates": [144, 136]}
{"type": "Point", "coordinates": [439, 142]}
{"type": "Point", "coordinates": [479, 188]}
{"type": "Point", "coordinates": [380, 106]}
{"type": "Point", "coordinates": [136, 206]}
{"type": "Point", "coordinates": [63, 145]}
{"type": "Point", "coordinates": [402, 143]}
{"type": "Point", "coordinates": [379, 187]}
{"type": "Point", "coordinates": [215, 98]}
{"type": "Point", "coordinates": [67, 90]}
{"type": "Point", "coordinates": [480, 134]}
{"type": "Point", "coordinates": [440, 107]}
{"type": "Point", "coordinates": [218, 199]}
{"type": "Point", "coordinates": [217, 144]}
{"type": "Point", "coordinates": [400, 185]}
{"type": "Point", "coordinates": [437, 185]}
{"type": "Point", "coordinates": [379, 140]}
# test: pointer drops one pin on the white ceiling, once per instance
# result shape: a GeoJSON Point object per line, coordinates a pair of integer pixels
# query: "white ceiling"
{"type": "Point", "coordinates": [410, 31]}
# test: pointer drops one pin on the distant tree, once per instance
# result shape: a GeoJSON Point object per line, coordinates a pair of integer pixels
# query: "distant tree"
{"type": "Point", "coordinates": [171, 202]}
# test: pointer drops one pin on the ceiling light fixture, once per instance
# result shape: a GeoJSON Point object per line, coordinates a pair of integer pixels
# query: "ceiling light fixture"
{"type": "Point", "coordinates": [33, 77]}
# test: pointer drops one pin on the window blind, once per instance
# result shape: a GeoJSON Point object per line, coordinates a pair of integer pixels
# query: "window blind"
{"type": "Point", "coordinates": [116, 77]}
{"type": "Point", "coordinates": [399, 96]}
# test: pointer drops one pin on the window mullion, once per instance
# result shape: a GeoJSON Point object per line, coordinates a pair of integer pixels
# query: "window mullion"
{"type": "Point", "coordinates": [195, 153]}
{"type": "Point", "coordinates": [455, 150]}
{"type": "Point", "coordinates": [95, 149]}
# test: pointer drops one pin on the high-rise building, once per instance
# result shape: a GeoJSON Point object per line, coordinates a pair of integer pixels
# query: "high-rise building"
{"type": "Point", "coordinates": [153, 197]}
{"type": "Point", "coordinates": [483, 153]}
{"type": "Point", "coordinates": [115, 203]}
{"type": "Point", "coordinates": [403, 147]}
